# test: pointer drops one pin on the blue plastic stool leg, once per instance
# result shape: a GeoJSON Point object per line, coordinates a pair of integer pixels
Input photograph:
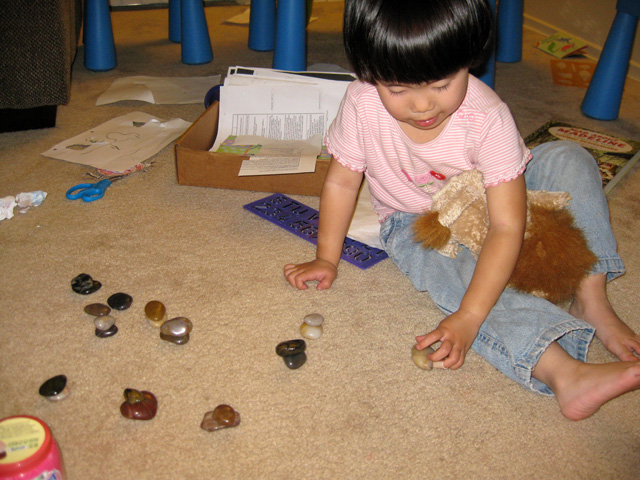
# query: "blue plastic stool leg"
{"type": "Point", "coordinates": [488, 74]}
{"type": "Point", "coordinates": [175, 34]}
{"type": "Point", "coordinates": [603, 97]}
{"type": "Point", "coordinates": [290, 51]}
{"type": "Point", "coordinates": [196, 43]}
{"type": "Point", "coordinates": [509, 26]}
{"type": "Point", "coordinates": [99, 47]}
{"type": "Point", "coordinates": [262, 25]}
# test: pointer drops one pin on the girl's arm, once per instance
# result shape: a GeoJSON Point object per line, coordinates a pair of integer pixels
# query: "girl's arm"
{"type": "Point", "coordinates": [507, 208]}
{"type": "Point", "coordinates": [337, 203]}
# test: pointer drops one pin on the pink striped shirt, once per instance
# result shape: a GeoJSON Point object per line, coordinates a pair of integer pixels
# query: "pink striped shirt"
{"type": "Point", "coordinates": [404, 175]}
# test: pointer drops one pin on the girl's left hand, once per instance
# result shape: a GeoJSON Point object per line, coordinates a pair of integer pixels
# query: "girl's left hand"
{"type": "Point", "coordinates": [456, 334]}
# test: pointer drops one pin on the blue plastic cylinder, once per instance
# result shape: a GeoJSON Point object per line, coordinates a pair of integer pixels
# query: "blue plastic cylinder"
{"type": "Point", "coordinates": [175, 34]}
{"type": "Point", "coordinates": [487, 72]}
{"type": "Point", "coordinates": [290, 50]}
{"type": "Point", "coordinates": [604, 95]}
{"type": "Point", "coordinates": [262, 25]}
{"type": "Point", "coordinates": [196, 43]}
{"type": "Point", "coordinates": [509, 25]}
{"type": "Point", "coordinates": [99, 47]}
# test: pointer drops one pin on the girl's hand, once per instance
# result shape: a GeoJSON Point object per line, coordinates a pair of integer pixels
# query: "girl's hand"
{"type": "Point", "coordinates": [456, 334]}
{"type": "Point", "coordinates": [318, 270]}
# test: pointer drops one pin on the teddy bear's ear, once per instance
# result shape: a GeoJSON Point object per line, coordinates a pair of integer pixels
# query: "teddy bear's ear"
{"type": "Point", "coordinates": [430, 232]}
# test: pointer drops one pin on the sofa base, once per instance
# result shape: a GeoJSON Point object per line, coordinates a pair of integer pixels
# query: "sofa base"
{"type": "Point", "coordinates": [16, 119]}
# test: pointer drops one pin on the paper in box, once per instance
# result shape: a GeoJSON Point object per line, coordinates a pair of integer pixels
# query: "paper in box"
{"type": "Point", "coordinates": [197, 166]}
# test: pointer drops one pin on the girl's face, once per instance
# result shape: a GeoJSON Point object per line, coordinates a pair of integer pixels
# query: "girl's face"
{"type": "Point", "coordinates": [423, 110]}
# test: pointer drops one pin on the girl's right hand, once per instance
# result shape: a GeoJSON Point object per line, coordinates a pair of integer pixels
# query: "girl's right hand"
{"type": "Point", "coordinates": [319, 270]}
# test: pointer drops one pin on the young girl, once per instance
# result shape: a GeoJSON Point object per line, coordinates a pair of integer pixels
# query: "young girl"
{"type": "Point", "coordinates": [416, 118]}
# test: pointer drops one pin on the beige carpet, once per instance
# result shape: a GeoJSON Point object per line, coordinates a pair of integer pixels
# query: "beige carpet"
{"type": "Point", "coordinates": [359, 408]}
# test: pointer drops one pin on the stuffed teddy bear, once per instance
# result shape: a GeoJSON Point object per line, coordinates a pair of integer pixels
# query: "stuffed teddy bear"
{"type": "Point", "coordinates": [554, 257]}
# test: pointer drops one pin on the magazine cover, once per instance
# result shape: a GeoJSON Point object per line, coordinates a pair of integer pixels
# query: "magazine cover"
{"type": "Point", "coordinates": [615, 155]}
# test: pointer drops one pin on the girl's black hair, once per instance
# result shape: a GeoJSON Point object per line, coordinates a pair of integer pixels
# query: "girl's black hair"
{"type": "Point", "coordinates": [416, 41]}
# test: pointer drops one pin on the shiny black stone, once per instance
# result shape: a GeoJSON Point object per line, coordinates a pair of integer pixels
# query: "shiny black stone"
{"type": "Point", "coordinates": [53, 386]}
{"type": "Point", "coordinates": [84, 284]}
{"type": "Point", "coordinates": [295, 361]}
{"type": "Point", "coordinates": [291, 347]}
{"type": "Point", "coordinates": [119, 301]}
{"type": "Point", "coordinates": [107, 333]}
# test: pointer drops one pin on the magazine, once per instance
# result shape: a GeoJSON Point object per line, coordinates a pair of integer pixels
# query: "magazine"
{"type": "Point", "coordinates": [615, 155]}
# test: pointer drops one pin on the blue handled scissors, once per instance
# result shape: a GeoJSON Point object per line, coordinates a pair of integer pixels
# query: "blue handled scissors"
{"type": "Point", "coordinates": [90, 192]}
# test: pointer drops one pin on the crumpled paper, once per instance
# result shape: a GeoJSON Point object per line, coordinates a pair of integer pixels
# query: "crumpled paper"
{"type": "Point", "coordinates": [24, 201]}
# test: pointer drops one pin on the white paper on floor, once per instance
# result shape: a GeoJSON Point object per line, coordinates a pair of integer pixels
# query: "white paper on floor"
{"type": "Point", "coordinates": [159, 90]}
{"type": "Point", "coordinates": [120, 143]}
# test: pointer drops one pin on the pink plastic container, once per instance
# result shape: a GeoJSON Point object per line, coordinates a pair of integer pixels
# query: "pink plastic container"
{"type": "Point", "coordinates": [28, 450]}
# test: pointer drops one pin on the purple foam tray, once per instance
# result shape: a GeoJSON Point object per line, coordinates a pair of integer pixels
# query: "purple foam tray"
{"type": "Point", "coordinates": [302, 221]}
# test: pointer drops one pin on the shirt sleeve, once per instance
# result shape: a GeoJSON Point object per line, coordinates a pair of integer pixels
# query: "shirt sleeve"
{"type": "Point", "coordinates": [502, 154]}
{"type": "Point", "coordinates": [344, 138]}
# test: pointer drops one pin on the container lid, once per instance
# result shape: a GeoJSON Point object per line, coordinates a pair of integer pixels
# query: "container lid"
{"type": "Point", "coordinates": [24, 442]}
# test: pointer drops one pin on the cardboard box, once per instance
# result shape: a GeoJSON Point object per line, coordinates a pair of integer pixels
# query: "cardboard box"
{"type": "Point", "coordinates": [197, 166]}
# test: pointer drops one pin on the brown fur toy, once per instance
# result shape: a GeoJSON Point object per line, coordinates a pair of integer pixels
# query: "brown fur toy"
{"type": "Point", "coordinates": [554, 257]}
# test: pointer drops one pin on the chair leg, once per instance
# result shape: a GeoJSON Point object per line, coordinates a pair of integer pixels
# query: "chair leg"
{"type": "Point", "coordinates": [262, 25]}
{"type": "Point", "coordinates": [99, 47]}
{"type": "Point", "coordinates": [196, 43]}
{"type": "Point", "coordinates": [290, 51]}
{"type": "Point", "coordinates": [509, 27]}
{"type": "Point", "coordinates": [604, 94]}
{"type": "Point", "coordinates": [175, 34]}
{"type": "Point", "coordinates": [488, 74]}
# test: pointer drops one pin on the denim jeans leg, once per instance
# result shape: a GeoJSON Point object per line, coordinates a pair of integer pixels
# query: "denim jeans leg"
{"type": "Point", "coordinates": [518, 329]}
{"type": "Point", "coordinates": [566, 167]}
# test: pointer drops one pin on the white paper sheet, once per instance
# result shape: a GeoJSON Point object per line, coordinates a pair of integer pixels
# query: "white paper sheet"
{"type": "Point", "coordinates": [365, 225]}
{"type": "Point", "coordinates": [277, 157]}
{"type": "Point", "coordinates": [159, 90]}
{"type": "Point", "coordinates": [120, 143]}
{"type": "Point", "coordinates": [292, 112]}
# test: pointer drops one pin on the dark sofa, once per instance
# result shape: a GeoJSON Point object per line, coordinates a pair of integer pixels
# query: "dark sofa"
{"type": "Point", "coordinates": [38, 40]}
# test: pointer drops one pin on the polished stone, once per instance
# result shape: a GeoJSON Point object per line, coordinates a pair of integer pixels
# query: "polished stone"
{"type": "Point", "coordinates": [420, 358]}
{"type": "Point", "coordinates": [120, 301]}
{"type": "Point", "coordinates": [156, 313]}
{"type": "Point", "coordinates": [107, 333]}
{"type": "Point", "coordinates": [223, 416]}
{"type": "Point", "coordinates": [97, 309]}
{"type": "Point", "coordinates": [139, 405]}
{"type": "Point", "coordinates": [177, 340]}
{"type": "Point", "coordinates": [295, 361]}
{"type": "Point", "coordinates": [84, 284]}
{"type": "Point", "coordinates": [55, 388]}
{"type": "Point", "coordinates": [131, 395]}
{"type": "Point", "coordinates": [311, 332]}
{"type": "Point", "coordinates": [104, 322]}
{"type": "Point", "coordinates": [177, 327]}
{"type": "Point", "coordinates": [291, 347]}
{"type": "Point", "coordinates": [314, 319]}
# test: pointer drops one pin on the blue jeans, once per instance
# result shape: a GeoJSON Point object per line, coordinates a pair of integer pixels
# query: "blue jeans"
{"type": "Point", "coordinates": [520, 326]}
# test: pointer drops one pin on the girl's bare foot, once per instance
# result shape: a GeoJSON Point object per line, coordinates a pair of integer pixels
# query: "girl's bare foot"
{"type": "Point", "coordinates": [592, 305]}
{"type": "Point", "coordinates": [582, 388]}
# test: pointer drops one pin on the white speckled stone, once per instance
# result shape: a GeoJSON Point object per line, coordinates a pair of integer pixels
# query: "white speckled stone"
{"type": "Point", "coordinates": [314, 319]}
{"type": "Point", "coordinates": [311, 332]}
{"type": "Point", "coordinates": [105, 322]}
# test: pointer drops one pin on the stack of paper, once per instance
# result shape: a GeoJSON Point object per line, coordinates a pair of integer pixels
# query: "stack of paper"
{"type": "Point", "coordinates": [277, 117]}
